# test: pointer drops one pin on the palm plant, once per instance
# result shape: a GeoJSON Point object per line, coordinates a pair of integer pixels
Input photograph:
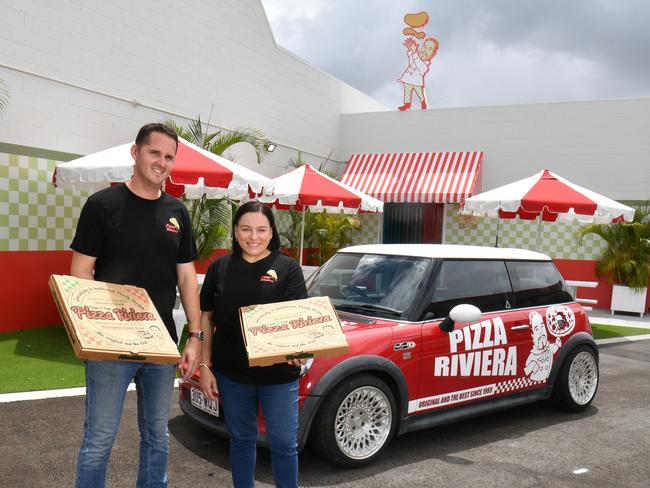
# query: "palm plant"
{"type": "Point", "coordinates": [4, 96]}
{"type": "Point", "coordinates": [290, 238]}
{"type": "Point", "coordinates": [626, 259]}
{"type": "Point", "coordinates": [211, 218]}
{"type": "Point", "coordinates": [331, 232]}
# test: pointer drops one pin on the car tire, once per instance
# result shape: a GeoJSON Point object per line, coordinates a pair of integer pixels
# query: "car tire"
{"type": "Point", "coordinates": [577, 382]}
{"type": "Point", "coordinates": [356, 421]}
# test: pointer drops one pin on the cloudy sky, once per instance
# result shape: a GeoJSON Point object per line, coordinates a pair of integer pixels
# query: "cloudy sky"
{"type": "Point", "coordinates": [492, 52]}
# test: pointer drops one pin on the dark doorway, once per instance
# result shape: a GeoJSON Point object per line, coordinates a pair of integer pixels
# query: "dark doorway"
{"type": "Point", "coordinates": [413, 223]}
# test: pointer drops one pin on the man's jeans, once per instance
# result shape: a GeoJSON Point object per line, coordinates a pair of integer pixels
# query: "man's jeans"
{"type": "Point", "coordinates": [106, 385]}
{"type": "Point", "coordinates": [280, 407]}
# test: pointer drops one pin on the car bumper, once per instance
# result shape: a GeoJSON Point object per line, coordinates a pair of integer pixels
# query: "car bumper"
{"type": "Point", "coordinates": [217, 425]}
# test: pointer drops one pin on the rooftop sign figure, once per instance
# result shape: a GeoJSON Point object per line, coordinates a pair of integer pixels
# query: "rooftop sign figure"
{"type": "Point", "coordinates": [419, 58]}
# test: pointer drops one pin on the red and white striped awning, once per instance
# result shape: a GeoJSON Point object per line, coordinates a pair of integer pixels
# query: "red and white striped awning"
{"type": "Point", "coordinates": [439, 177]}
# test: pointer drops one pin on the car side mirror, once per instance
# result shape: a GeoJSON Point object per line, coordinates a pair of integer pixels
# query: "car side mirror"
{"type": "Point", "coordinates": [447, 325]}
{"type": "Point", "coordinates": [463, 313]}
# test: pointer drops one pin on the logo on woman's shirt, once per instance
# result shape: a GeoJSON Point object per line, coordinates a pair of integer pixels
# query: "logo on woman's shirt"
{"type": "Point", "coordinates": [269, 277]}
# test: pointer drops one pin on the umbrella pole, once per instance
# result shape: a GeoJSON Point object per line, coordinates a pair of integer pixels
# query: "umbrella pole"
{"type": "Point", "coordinates": [539, 232]}
{"type": "Point", "coordinates": [496, 243]}
{"type": "Point", "coordinates": [302, 234]}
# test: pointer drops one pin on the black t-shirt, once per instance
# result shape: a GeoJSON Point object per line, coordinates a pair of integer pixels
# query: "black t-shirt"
{"type": "Point", "coordinates": [231, 283]}
{"type": "Point", "coordinates": [137, 242]}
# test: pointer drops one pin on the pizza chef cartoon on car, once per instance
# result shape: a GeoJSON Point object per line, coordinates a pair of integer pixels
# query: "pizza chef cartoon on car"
{"type": "Point", "coordinates": [435, 333]}
{"type": "Point", "coordinates": [540, 359]}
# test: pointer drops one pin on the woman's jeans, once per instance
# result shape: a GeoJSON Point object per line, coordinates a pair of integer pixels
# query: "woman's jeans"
{"type": "Point", "coordinates": [280, 407]}
{"type": "Point", "coordinates": [106, 386]}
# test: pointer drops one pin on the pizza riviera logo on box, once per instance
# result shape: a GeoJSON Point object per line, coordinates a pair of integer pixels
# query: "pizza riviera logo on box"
{"type": "Point", "coordinates": [122, 314]}
{"type": "Point", "coordinates": [111, 321]}
{"type": "Point", "coordinates": [274, 331]}
{"type": "Point", "coordinates": [101, 311]}
{"type": "Point", "coordinates": [113, 315]}
{"type": "Point", "coordinates": [293, 324]}
{"type": "Point", "coordinates": [278, 326]}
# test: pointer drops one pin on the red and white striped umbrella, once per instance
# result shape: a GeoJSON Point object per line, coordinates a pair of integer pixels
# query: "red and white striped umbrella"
{"type": "Point", "coordinates": [550, 196]}
{"type": "Point", "coordinates": [306, 187]}
{"type": "Point", "coordinates": [196, 172]}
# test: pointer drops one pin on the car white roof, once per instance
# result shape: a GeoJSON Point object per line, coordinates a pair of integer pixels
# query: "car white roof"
{"type": "Point", "coordinates": [439, 251]}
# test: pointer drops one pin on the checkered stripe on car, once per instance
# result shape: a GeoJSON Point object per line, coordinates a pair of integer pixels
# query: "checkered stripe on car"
{"type": "Point", "coordinates": [514, 385]}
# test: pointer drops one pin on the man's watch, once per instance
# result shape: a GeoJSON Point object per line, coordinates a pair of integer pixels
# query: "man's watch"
{"type": "Point", "coordinates": [199, 335]}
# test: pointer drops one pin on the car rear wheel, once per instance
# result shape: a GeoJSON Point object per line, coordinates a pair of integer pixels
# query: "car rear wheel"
{"type": "Point", "coordinates": [356, 421]}
{"type": "Point", "coordinates": [577, 382]}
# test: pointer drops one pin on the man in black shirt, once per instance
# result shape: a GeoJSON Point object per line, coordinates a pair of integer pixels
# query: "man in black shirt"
{"type": "Point", "coordinates": [136, 234]}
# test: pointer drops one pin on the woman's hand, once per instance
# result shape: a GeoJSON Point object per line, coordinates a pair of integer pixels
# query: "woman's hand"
{"type": "Point", "coordinates": [208, 383]}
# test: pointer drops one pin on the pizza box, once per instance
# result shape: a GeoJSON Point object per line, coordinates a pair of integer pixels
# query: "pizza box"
{"type": "Point", "coordinates": [108, 321]}
{"type": "Point", "coordinates": [278, 332]}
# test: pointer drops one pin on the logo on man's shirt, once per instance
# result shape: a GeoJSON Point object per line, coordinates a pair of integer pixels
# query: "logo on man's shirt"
{"type": "Point", "coordinates": [269, 277]}
{"type": "Point", "coordinates": [173, 226]}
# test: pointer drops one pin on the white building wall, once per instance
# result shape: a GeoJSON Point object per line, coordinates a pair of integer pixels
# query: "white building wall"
{"type": "Point", "coordinates": [85, 75]}
{"type": "Point", "coordinates": [601, 145]}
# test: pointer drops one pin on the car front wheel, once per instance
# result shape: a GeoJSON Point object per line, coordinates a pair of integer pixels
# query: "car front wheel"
{"type": "Point", "coordinates": [355, 422]}
{"type": "Point", "coordinates": [577, 382]}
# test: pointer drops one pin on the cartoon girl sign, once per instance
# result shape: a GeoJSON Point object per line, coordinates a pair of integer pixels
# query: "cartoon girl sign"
{"type": "Point", "coordinates": [419, 59]}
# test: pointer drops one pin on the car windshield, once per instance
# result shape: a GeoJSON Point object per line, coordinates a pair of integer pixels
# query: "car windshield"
{"type": "Point", "coordinates": [371, 284]}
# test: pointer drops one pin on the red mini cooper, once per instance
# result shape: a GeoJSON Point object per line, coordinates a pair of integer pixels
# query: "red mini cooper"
{"type": "Point", "coordinates": [436, 333]}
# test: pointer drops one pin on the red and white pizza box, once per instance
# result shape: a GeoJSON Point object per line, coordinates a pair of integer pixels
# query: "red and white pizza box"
{"type": "Point", "coordinates": [108, 321]}
{"type": "Point", "coordinates": [278, 332]}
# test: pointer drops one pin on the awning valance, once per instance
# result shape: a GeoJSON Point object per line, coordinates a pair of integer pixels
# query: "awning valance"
{"type": "Point", "coordinates": [438, 177]}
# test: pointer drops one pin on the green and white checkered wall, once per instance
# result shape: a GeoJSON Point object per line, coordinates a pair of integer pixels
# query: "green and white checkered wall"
{"type": "Point", "coordinates": [35, 216]}
{"type": "Point", "coordinates": [556, 239]}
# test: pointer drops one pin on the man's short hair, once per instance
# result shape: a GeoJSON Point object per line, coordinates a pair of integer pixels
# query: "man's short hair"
{"type": "Point", "coordinates": [146, 130]}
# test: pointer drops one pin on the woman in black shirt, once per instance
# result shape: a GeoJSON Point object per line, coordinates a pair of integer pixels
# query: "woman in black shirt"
{"type": "Point", "coordinates": [254, 273]}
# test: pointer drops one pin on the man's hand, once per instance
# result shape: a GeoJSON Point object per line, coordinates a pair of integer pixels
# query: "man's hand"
{"type": "Point", "coordinates": [190, 357]}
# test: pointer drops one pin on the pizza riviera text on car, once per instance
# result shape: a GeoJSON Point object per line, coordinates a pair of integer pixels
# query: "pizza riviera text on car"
{"type": "Point", "coordinates": [436, 333]}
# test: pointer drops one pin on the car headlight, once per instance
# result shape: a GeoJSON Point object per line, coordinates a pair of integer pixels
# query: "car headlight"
{"type": "Point", "coordinates": [305, 367]}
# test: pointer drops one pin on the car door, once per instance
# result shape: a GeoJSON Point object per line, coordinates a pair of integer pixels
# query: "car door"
{"type": "Point", "coordinates": [545, 315]}
{"type": "Point", "coordinates": [474, 360]}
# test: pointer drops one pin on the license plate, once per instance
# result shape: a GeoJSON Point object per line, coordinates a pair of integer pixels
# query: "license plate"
{"type": "Point", "coordinates": [200, 401]}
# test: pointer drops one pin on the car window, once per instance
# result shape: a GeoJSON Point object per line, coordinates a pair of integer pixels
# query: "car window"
{"type": "Point", "coordinates": [385, 285]}
{"type": "Point", "coordinates": [484, 284]}
{"type": "Point", "coordinates": [537, 283]}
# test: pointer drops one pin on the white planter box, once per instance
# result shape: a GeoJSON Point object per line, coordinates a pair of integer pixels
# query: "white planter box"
{"type": "Point", "coordinates": [624, 299]}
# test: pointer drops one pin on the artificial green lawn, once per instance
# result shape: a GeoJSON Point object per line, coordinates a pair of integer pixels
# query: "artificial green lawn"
{"type": "Point", "coordinates": [39, 359]}
{"type": "Point", "coordinates": [608, 331]}
{"type": "Point", "coordinates": [42, 359]}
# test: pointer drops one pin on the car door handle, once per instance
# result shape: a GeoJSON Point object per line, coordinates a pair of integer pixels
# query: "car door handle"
{"type": "Point", "coordinates": [520, 327]}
